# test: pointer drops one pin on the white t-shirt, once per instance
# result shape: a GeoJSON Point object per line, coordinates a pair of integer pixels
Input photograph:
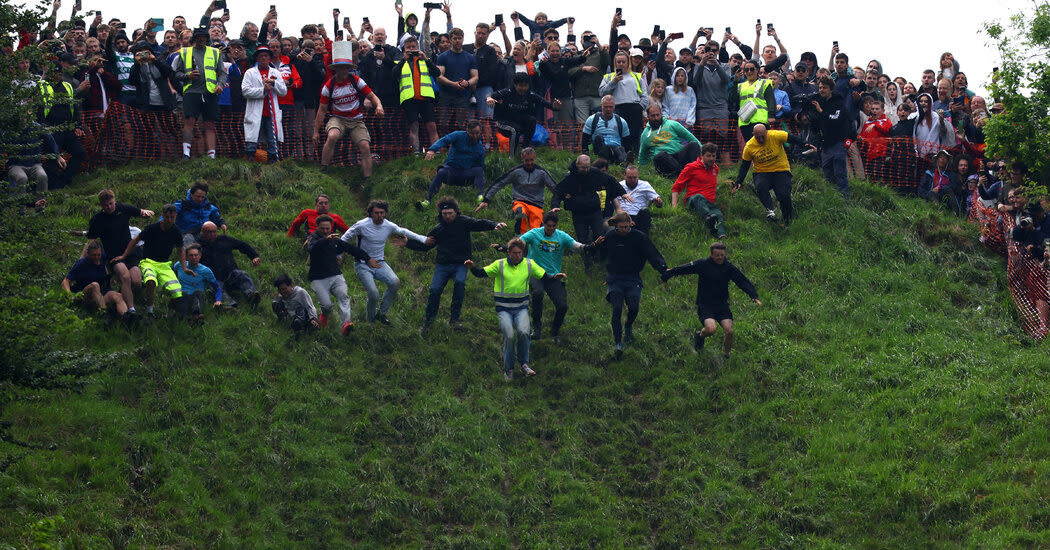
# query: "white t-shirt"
{"type": "Point", "coordinates": [642, 195]}
{"type": "Point", "coordinates": [372, 238]}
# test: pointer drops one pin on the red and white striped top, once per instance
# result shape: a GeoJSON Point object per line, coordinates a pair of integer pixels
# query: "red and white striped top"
{"type": "Point", "coordinates": [346, 96]}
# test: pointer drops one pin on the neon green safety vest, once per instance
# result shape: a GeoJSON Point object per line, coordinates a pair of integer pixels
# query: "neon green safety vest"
{"type": "Point", "coordinates": [211, 61]}
{"type": "Point", "coordinates": [512, 282]}
{"type": "Point", "coordinates": [755, 92]}
{"type": "Point", "coordinates": [426, 83]}
{"type": "Point", "coordinates": [637, 81]}
{"type": "Point", "coordinates": [49, 96]}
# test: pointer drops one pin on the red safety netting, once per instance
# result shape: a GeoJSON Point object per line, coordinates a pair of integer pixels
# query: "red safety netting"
{"type": "Point", "coordinates": [126, 133]}
{"type": "Point", "coordinates": [1026, 276]}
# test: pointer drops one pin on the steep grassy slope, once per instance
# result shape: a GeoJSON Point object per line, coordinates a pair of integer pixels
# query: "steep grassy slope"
{"type": "Point", "coordinates": [883, 395]}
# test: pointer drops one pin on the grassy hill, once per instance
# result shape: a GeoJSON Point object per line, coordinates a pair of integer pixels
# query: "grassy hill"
{"type": "Point", "coordinates": [883, 395]}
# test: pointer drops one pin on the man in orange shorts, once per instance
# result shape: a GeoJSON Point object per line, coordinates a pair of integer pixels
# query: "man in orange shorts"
{"type": "Point", "coordinates": [527, 182]}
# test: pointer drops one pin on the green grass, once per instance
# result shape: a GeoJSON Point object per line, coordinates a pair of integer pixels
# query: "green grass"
{"type": "Point", "coordinates": [883, 396]}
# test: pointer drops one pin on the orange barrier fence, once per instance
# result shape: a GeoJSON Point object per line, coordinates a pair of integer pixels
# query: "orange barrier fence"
{"type": "Point", "coordinates": [1026, 276]}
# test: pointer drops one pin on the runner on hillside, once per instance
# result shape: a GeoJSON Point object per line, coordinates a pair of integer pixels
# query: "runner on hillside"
{"type": "Point", "coordinates": [772, 171]}
{"type": "Point", "coordinates": [451, 236]}
{"type": "Point", "coordinates": [511, 292]}
{"type": "Point", "coordinates": [547, 246]}
{"type": "Point", "coordinates": [712, 294]}
{"type": "Point", "coordinates": [627, 250]}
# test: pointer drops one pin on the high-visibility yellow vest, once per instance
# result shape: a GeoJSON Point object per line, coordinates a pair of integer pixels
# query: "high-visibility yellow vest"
{"type": "Point", "coordinates": [426, 82]}
{"type": "Point", "coordinates": [637, 81]}
{"type": "Point", "coordinates": [211, 62]}
{"type": "Point", "coordinates": [48, 94]}
{"type": "Point", "coordinates": [755, 92]}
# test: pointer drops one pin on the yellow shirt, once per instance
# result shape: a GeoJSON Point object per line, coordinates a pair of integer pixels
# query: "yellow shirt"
{"type": "Point", "coordinates": [769, 156]}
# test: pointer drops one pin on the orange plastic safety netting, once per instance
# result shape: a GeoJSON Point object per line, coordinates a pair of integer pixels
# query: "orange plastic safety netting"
{"type": "Point", "coordinates": [1026, 275]}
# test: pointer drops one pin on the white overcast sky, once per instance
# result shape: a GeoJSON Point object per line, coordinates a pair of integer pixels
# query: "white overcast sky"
{"type": "Point", "coordinates": [906, 38]}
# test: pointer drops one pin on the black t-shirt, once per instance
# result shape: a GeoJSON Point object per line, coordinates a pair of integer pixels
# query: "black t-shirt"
{"type": "Point", "coordinates": [83, 273]}
{"type": "Point", "coordinates": [112, 229]}
{"type": "Point", "coordinates": [158, 242]}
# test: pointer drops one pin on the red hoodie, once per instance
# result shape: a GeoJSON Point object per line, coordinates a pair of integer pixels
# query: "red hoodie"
{"type": "Point", "coordinates": [291, 79]}
{"type": "Point", "coordinates": [875, 132]}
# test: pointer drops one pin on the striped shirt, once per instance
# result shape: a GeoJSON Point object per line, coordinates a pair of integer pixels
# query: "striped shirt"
{"type": "Point", "coordinates": [346, 96]}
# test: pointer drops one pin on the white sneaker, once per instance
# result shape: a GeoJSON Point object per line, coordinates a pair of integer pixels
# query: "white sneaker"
{"type": "Point", "coordinates": [508, 376]}
{"type": "Point", "coordinates": [528, 371]}
{"type": "Point", "coordinates": [771, 214]}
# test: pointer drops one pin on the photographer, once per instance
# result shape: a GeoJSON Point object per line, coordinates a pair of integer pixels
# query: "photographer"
{"type": "Point", "coordinates": [149, 78]}
{"type": "Point", "coordinates": [588, 76]}
{"type": "Point", "coordinates": [711, 80]}
{"type": "Point", "coordinates": [833, 122]}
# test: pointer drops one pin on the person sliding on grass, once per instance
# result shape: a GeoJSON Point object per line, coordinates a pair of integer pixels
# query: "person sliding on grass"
{"type": "Point", "coordinates": [712, 294]}
{"type": "Point", "coordinates": [466, 161]}
{"type": "Point", "coordinates": [293, 304]}
{"type": "Point", "coordinates": [511, 291]}
{"type": "Point", "coordinates": [90, 276]}
{"type": "Point", "coordinates": [627, 250]}
{"type": "Point", "coordinates": [699, 181]}
{"type": "Point", "coordinates": [160, 239]}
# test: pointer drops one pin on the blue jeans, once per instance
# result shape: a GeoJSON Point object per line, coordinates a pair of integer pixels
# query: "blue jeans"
{"type": "Point", "coordinates": [514, 322]}
{"type": "Point", "coordinates": [442, 274]}
{"type": "Point", "coordinates": [368, 277]}
{"type": "Point", "coordinates": [833, 162]}
{"type": "Point", "coordinates": [453, 175]}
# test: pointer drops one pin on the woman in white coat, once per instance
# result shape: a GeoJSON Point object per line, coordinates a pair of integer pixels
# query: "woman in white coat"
{"type": "Point", "coordinates": [261, 86]}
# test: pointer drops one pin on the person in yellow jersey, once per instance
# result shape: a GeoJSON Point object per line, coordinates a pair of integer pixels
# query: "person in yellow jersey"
{"type": "Point", "coordinates": [511, 293]}
{"type": "Point", "coordinates": [415, 82]}
{"type": "Point", "coordinates": [765, 150]}
{"type": "Point", "coordinates": [202, 75]}
{"type": "Point", "coordinates": [753, 99]}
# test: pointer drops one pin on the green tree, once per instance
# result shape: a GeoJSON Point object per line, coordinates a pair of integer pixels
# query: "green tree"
{"type": "Point", "coordinates": [1022, 85]}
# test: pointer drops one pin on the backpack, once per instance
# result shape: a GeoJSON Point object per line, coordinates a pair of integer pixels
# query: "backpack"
{"type": "Point", "coordinates": [619, 124]}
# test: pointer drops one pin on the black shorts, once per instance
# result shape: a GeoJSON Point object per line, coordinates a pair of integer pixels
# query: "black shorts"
{"type": "Point", "coordinates": [416, 109]}
{"type": "Point", "coordinates": [201, 106]}
{"type": "Point", "coordinates": [719, 312]}
{"type": "Point", "coordinates": [132, 260]}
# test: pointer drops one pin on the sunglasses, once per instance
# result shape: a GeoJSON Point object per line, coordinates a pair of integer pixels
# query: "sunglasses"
{"type": "Point", "coordinates": [750, 70]}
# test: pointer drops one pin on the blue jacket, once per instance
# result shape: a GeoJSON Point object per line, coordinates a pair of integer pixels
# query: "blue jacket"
{"type": "Point", "coordinates": [461, 153]}
{"type": "Point", "coordinates": [205, 278]}
{"type": "Point", "coordinates": [191, 216]}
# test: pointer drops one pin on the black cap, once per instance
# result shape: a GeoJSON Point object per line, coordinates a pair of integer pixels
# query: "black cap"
{"type": "Point", "coordinates": [67, 58]}
{"type": "Point", "coordinates": [200, 31]}
{"type": "Point", "coordinates": [139, 46]}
